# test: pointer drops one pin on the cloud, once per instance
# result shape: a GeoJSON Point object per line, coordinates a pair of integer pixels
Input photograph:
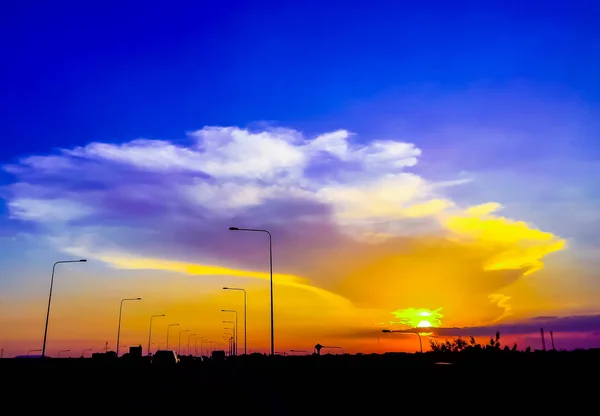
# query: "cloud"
{"type": "Point", "coordinates": [579, 324]}
{"type": "Point", "coordinates": [346, 215]}
{"type": "Point", "coordinates": [567, 324]}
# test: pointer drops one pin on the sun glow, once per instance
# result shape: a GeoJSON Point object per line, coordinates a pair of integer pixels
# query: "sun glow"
{"type": "Point", "coordinates": [419, 318]}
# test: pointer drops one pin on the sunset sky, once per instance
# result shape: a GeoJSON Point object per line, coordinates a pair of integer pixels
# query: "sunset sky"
{"type": "Point", "coordinates": [431, 166]}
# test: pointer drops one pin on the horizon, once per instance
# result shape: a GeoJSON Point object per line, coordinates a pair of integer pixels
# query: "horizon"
{"type": "Point", "coordinates": [417, 167]}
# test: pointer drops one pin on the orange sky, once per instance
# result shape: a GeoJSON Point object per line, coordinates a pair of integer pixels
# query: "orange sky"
{"type": "Point", "coordinates": [477, 272]}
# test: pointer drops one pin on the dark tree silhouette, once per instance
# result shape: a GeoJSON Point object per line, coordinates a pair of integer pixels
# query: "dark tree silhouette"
{"type": "Point", "coordinates": [460, 345]}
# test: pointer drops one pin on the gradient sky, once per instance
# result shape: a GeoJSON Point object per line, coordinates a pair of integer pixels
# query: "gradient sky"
{"type": "Point", "coordinates": [433, 162]}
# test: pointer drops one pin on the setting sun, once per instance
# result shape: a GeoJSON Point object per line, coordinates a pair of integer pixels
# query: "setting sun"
{"type": "Point", "coordinates": [424, 324]}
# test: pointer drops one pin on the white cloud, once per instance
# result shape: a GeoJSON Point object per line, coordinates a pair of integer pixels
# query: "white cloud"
{"type": "Point", "coordinates": [225, 171]}
{"type": "Point", "coordinates": [47, 210]}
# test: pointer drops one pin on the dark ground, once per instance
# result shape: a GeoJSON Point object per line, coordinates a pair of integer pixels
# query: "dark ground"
{"type": "Point", "coordinates": [497, 383]}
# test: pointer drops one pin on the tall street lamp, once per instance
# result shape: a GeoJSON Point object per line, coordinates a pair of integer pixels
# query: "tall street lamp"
{"type": "Point", "coordinates": [245, 313]}
{"type": "Point", "coordinates": [401, 331]}
{"type": "Point", "coordinates": [150, 330]}
{"type": "Point", "coordinates": [271, 274]}
{"type": "Point", "coordinates": [179, 347]}
{"type": "Point", "coordinates": [169, 327]}
{"type": "Point", "coordinates": [50, 299]}
{"type": "Point", "coordinates": [120, 314]}
{"type": "Point", "coordinates": [236, 326]}
{"type": "Point", "coordinates": [190, 336]}
{"type": "Point", "coordinates": [234, 335]}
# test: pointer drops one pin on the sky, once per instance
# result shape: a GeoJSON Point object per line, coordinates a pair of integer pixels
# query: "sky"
{"type": "Point", "coordinates": [417, 165]}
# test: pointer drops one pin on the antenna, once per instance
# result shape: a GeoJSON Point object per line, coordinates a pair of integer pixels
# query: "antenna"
{"type": "Point", "coordinates": [543, 340]}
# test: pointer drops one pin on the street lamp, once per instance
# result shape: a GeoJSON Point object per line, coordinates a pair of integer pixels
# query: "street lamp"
{"type": "Point", "coordinates": [168, 327]}
{"type": "Point", "coordinates": [236, 327]}
{"type": "Point", "coordinates": [401, 331]}
{"type": "Point", "coordinates": [179, 347]}
{"type": "Point", "coordinates": [228, 338]}
{"type": "Point", "coordinates": [189, 336]}
{"type": "Point", "coordinates": [196, 346]}
{"type": "Point", "coordinates": [231, 337]}
{"type": "Point", "coordinates": [120, 314]}
{"type": "Point", "coordinates": [234, 334]}
{"type": "Point", "coordinates": [202, 342]}
{"type": "Point", "coordinates": [150, 331]}
{"type": "Point", "coordinates": [245, 313]}
{"type": "Point", "coordinates": [271, 274]}
{"type": "Point", "coordinates": [83, 351]}
{"type": "Point", "coordinates": [63, 351]}
{"type": "Point", "coordinates": [50, 299]}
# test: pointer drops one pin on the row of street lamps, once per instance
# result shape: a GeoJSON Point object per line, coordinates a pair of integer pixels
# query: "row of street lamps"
{"type": "Point", "coordinates": [235, 334]}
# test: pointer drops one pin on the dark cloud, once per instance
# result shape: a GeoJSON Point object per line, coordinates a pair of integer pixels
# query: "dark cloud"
{"type": "Point", "coordinates": [584, 323]}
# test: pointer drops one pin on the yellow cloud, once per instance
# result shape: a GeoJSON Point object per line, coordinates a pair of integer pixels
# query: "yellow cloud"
{"type": "Point", "coordinates": [502, 302]}
{"type": "Point", "coordinates": [426, 209]}
{"type": "Point", "coordinates": [208, 270]}
{"type": "Point", "coordinates": [521, 246]}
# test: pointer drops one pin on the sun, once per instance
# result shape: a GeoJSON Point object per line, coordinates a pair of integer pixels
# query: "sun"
{"type": "Point", "coordinates": [419, 318]}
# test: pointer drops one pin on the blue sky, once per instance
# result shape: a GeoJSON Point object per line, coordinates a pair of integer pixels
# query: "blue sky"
{"type": "Point", "coordinates": [120, 70]}
{"type": "Point", "coordinates": [456, 104]}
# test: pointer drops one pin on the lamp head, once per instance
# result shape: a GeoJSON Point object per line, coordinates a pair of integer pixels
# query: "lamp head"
{"type": "Point", "coordinates": [233, 229]}
{"type": "Point", "coordinates": [83, 260]}
{"type": "Point", "coordinates": [386, 331]}
{"type": "Point", "coordinates": [225, 288]}
{"type": "Point", "coordinates": [138, 298]}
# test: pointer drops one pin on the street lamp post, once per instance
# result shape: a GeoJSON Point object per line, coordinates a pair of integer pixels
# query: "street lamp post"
{"type": "Point", "coordinates": [150, 330]}
{"type": "Point", "coordinates": [236, 327]}
{"type": "Point", "coordinates": [168, 327]}
{"type": "Point", "coordinates": [228, 338]}
{"type": "Point", "coordinates": [120, 314]}
{"type": "Point", "coordinates": [50, 299]}
{"type": "Point", "coordinates": [388, 331]}
{"type": "Point", "coordinates": [179, 347]}
{"type": "Point", "coordinates": [234, 335]}
{"type": "Point", "coordinates": [271, 277]}
{"type": "Point", "coordinates": [245, 313]}
{"type": "Point", "coordinates": [190, 336]}
{"type": "Point", "coordinates": [232, 341]}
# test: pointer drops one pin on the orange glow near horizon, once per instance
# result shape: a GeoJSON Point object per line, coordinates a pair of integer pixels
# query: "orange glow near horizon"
{"type": "Point", "coordinates": [340, 300]}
